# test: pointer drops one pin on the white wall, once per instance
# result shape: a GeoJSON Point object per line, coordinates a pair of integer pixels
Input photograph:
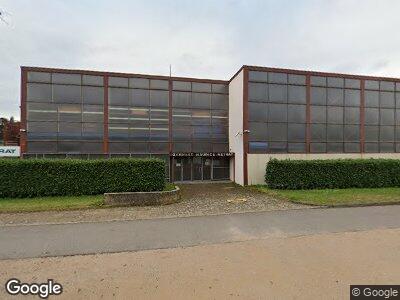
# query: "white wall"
{"type": "Point", "coordinates": [257, 162]}
{"type": "Point", "coordinates": [236, 126]}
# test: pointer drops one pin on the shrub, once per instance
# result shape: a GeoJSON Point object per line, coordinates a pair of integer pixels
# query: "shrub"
{"type": "Point", "coordinates": [43, 177]}
{"type": "Point", "coordinates": [338, 173]}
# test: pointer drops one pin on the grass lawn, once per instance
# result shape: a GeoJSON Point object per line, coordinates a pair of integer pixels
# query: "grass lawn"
{"type": "Point", "coordinates": [55, 203]}
{"type": "Point", "coordinates": [337, 197]}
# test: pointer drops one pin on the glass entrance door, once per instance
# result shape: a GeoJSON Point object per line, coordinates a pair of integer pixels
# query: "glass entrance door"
{"type": "Point", "coordinates": [197, 168]}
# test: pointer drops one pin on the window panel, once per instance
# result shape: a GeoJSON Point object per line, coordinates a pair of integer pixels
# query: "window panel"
{"type": "Point", "coordinates": [258, 131]}
{"type": "Point", "coordinates": [296, 132]}
{"type": "Point", "coordinates": [139, 117]}
{"type": "Point", "coordinates": [297, 94]}
{"type": "Point", "coordinates": [352, 147]}
{"type": "Point", "coordinates": [42, 147]}
{"type": "Point", "coordinates": [277, 112]}
{"type": "Point", "coordinates": [201, 117]}
{"type": "Point", "coordinates": [39, 77]}
{"type": "Point", "coordinates": [334, 147]}
{"type": "Point", "coordinates": [67, 93]}
{"type": "Point", "coordinates": [296, 147]}
{"type": "Point", "coordinates": [318, 96]}
{"type": "Point", "coordinates": [386, 147]}
{"type": "Point", "coordinates": [277, 77]}
{"type": "Point", "coordinates": [335, 96]}
{"type": "Point", "coordinates": [220, 133]}
{"type": "Point", "coordinates": [278, 147]}
{"type": "Point", "coordinates": [386, 116]}
{"type": "Point", "coordinates": [118, 82]}
{"type": "Point", "coordinates": [318, 147]}
{"type": "Point", "coordinates": [68, 130]}
{"type": "Point", "coordinates": [181, 116]}
{"type": "Point", "coordinates": [258, 111]}
{"type": "Point", "coordinates": [92, 131]}
{"type": "Point", "coordinates": [201, 133]}
{"type": "Point", "coordinates": [258, 91]}
{"type": "Point", "coordinates": [398, 99]}
{"type": "Point", "coordinates": [371, 147]}
{"type": "Point", "coordinates": [351, 97]}
{"type": "Point", "coordinates": [93, 95]}
{"type": "Point", "coordinates": [371, 133]}
{"type": "Point", "coordinates": [201, 100]}
{"type": "Point", "coordinates": [200, 147]}
{"type": "Point", "coordinates": [352, 83]}
{"type": "Point", "coordinates": [335, 82]}
{"type": "Point", "coordinates": [182, 147]}
{"type": "Point", "coordinates": [69, 147]}
{"type": "Point", "coordinates": [139, 83]}
{"type": "Point", "coordinates": [201, 87]}
{"type": "Point", "coordinates": [118, 96]}
{"type": "Point", "coordinates": [352, 115]}
{"type": "Point", "coordinates": [92, 80]}
{"type": "Point", "coordinates": [181, 133]}
{"type": "Point", "coordinates": [387, 86]}
{"type": "Point", "coordinates": [318, 80]}
{"type": "Point", "coordinates": [159, 132]}
{"type": "Point", "coordinates": [297, 79]}
{"type": "Point", "coordinates": [181, 99]}
{"type": "Point", "coordinates": [92, 148]}
{"type": "Point", "coordinates": [296, 113]}
{"type": "Point", "coordinates": [118, 132]}
{"type": "Point", "coordinates": [140, 98]}
{"type": "Point", "coordinates": [371, 99]}
{"type": "Point", "coordinates": [93, 113]}
{"type": "Point", "coordinates": [258, 147]}
{"type": "Point", "coordinates": [220, 88]}
{"type": "Point", "coordinates": [220, 147]}
{"type": "Point", "coordinates": [159, 84]}
{"type": "Point", "coordinates": [37, 92]}
{"type": "Point", "coordinates": [139, 148]}
{"type": "Point", "coordinates": [66, 78]}
{"type": "Point", "coordinates": [277, 132]}
{"type": "Point", "coordinates": [158, 115]}
{"type": "Point", "coordinates": [118, 114]}
{"type": "Point", "coordinates": [371, 85]}
{"type": "Point", "coordinates": [219, 101]}
{"type": "Point", "coordinates": [318, 114]}
{"type": "Point", "coordinates": [387, 99]}
{"type": "Point", "coordinates": [159, 98]}
{"type": "Point", "coordinates": [318, 132]}
{"type": "Point", "coordinates": [386, 133]}
{"type": "Point", "coordinates": [277, 93]}
{"type": "Point", "coordinates": [137, 133]}
{"type": "Point", "coordinates": [42, 130]}
{"type": "Point", "coordinates": [70, 112]}
{"type": "Point", "coordinates": [182, 85]}
{"type": "Point", "coordinates": [372, 116]}
{"type": "Point", "coordinates": [335, 133]}
{"type": "Point", "coordinates": [258, 76]}
{"type": "Point", "coordinates": [42, 112]}
{"type": "Point", "coordinates": [159, 147]}
{"type": "Point", "coordinates": [351, 133]}
{"type": "Point", "coordinates": [335, 114]}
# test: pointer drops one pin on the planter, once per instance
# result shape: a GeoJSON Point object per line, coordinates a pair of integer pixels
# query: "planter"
{"type": "Point", "coordinates": [142, 198]}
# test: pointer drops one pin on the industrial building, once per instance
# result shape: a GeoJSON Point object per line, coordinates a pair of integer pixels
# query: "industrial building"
{"type": "Point", "coordinates": [209, 129]}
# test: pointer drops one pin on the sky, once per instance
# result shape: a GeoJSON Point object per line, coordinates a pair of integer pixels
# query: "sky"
{"type": "Point", "coordinates": [204, 39]}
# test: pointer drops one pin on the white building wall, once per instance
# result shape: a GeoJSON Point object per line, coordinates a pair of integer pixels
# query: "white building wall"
{"type": "Point", "coordinates": [236, 126]}
{"type": "Point", "coordinates": [257, 162]}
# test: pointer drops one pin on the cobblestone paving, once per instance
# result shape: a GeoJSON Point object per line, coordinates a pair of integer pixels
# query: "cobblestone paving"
{"type": "Point", "coordinates": [197, 200]}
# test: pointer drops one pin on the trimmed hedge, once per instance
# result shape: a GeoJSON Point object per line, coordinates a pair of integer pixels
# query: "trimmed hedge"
{"type": "Point", "coordinates": [44, 177]}
{"type": "Point", "coordinates": [337, 173]}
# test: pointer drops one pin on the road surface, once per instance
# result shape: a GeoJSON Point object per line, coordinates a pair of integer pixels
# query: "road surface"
{"type": "Point", "coordinates": [28, 241]}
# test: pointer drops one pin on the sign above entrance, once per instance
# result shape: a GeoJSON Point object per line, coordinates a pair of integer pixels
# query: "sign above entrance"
{"type": "Point", "coordinates": [207, 154]}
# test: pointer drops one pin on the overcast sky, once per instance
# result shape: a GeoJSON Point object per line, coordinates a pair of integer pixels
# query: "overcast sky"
{"type": "Point", "coordinates": [206, 39]}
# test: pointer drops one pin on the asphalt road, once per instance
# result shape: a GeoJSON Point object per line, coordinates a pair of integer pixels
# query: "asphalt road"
{"type": "Point", "coordinates": [26, 241]}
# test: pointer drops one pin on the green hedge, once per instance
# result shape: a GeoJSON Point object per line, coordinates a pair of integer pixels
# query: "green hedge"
{"type": "Point", "coordinates": [338, 173]}
{"type": "Point", "coordinates": [44, 177]}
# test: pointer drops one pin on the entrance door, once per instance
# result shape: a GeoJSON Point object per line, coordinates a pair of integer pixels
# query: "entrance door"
{"type": "Point", "coordinates": [207, 168]}
{"type": "Point", "coordinates": [186, 169]}
{"type": "Point", "coordinates": [197, 168]}
{"type": "Point", "coordinates": [177, 169]}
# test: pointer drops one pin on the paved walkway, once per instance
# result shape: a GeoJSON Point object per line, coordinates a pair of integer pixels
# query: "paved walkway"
{"type": "Point", "coordinates": [85, 238]}
{"type": "Point", "coordinates": [197, 200]}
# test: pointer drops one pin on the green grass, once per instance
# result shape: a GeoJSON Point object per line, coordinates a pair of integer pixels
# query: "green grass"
{"type": "Point", "coordinates": [337, 197]}
{"type": "Point", "coordinates": [56, 203]}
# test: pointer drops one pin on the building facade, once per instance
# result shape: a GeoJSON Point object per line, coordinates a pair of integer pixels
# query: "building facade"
{"type": "Point", "coordinates": [209, 129]}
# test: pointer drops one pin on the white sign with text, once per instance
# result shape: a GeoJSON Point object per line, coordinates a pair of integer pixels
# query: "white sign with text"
{"type": "Point", "coordinates": [9, 151]}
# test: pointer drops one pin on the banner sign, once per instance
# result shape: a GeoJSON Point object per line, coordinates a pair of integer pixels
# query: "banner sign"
{"type": "Point", "coordinates": [9, 151]}
{"type": "Point", "coordinates": [207, 154]}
